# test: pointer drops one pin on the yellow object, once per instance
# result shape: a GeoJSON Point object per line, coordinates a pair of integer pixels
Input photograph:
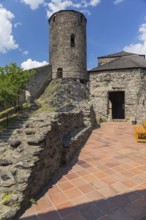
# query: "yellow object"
{"type": "Point", "coordinates": [140, 133]}
{"type": "Point", "coordinates": [144, 123]}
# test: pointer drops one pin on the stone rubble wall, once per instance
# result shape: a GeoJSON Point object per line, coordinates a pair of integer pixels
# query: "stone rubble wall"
{"type": "Point", "coordinates": [89, 115]}
{"type": "Point", "coordinates": [141, 99]}
{"type": "Point", "coordinates": [72, 140]}
{"type": "Point", "coordinates": [34, 153]}
{"type": "Point", "coordinates": [64, 94]}
{"type": "Point", "coordinates": [103, 82]}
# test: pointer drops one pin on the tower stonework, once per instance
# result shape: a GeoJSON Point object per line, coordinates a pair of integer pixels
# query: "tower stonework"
{"type": "Point", "coordinates": [68, 45]}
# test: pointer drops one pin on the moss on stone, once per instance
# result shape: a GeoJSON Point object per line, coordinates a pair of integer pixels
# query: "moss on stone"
{"type": "Point", "coordinates": [61, 93]}
{"type": "Point", "coordinates": [44, 108]}
{"type": "Point", "coordinates": [7, 197]}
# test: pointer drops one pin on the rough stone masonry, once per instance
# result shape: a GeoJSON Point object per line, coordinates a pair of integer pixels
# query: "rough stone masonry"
{"type": "Point", "coordinates": [33, 154]}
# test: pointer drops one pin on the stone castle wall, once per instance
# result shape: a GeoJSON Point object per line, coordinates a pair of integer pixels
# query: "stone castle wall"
{"type": "Point", "coordinates": [38, 82]}
{"type": "Point", "coordinates": [101, 83]}
{"type": "Point", "coordinates": [72, 60]}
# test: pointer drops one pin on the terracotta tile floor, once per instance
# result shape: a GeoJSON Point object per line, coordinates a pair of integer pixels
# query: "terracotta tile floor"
{"type": "Point", "coordinates": [106, 180]}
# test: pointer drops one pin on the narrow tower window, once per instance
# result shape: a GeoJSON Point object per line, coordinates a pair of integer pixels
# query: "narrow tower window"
{"type": "Point", "coordinates": [59, 73]}
{"type": "Point", "coordinates": [72, 40]}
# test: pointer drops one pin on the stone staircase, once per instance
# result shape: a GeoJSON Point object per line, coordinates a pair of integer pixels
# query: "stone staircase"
{"type": "Point", "coordinates": [12, 128]}
{"type": "Point", "coordinates": [19, 121]}
{"type": "Point", "coordinates": [118, 120]}
{"type": "Point", "coordinates": [8, 158]}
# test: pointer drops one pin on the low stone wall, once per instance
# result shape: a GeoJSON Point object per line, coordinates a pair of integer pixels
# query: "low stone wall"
{"type": "Point", "coordinates": [89, 115]}
{"type": "Point", "coordinates": [33, 155]}
{"type": "Point", "coordinates": [72, 142]}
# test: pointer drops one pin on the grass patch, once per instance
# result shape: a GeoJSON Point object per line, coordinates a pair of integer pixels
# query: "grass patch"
{"type": "Point", "coordinates": [44, 108]}
{"type": "Point", "coordinates": [33, 201]}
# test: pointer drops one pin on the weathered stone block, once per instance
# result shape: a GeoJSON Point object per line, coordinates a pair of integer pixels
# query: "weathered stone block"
{"type": "Point", "coordinates": [14, 143]}
{"type": "Point", "coordinates": [5, 162]}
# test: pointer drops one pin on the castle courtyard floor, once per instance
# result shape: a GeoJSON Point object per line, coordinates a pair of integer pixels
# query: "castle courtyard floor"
{"type": "Point", "coordinates": [105, 180]}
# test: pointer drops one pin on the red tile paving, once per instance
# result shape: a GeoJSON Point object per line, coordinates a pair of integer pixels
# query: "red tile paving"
{"type": "Point", "coordinates": [106, 180]}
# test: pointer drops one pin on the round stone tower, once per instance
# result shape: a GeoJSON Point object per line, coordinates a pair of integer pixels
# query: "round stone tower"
{"type": "Point", "coordinates": [68, 45]}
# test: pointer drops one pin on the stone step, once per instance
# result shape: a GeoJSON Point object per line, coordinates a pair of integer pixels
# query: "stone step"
{"type": "Point", "coordinates": [4, 139]}
{"type": "Point", "coordinates": [14, 127]}
{"type": "Point", "coordinates": [118, 120]}
{"type": "Point", "coordinates": [21, 120]}
{"type": "Point", "coordinates": [4, 135]}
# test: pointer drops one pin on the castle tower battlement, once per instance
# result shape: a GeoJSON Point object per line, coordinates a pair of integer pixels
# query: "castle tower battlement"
{"type": "Point", "coordinates": [68, 45]}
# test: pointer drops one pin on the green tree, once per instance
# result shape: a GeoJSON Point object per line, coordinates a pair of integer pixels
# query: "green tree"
{"type": "Point", "coordinates": [12, 82]}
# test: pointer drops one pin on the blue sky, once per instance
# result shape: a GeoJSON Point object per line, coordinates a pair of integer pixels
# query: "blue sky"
{"type": "Point", "coordinates": [112, 26]}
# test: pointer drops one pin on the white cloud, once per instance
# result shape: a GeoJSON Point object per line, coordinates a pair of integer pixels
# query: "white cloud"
{"type": "Point", "coordinates": [33, 4]}
{"type": "Point", "coordinates": [17, 24]}
{"type": "Point", "coordinates": [28, 64]}
{"type": "Point", "coordinates": [25, 52]}
{"type": "Point", "coordinates": [85, 11]}
{"type": "Point", "coordinates": [140, 46]}
{"type": "Point", "coordinates": [118, 1]}
{"type": "Point", "coordinates": [56, 5]}
{"type": "Point", "coordinates": [94, 2]}
{"type": "Point", "coordinates": [7, 41]}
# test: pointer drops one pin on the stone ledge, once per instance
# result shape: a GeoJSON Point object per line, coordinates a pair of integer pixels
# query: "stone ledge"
{"type": "Point", "coordinates": [72, 143]}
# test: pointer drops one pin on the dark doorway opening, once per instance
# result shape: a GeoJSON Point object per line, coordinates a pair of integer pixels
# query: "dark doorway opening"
{"type": "Point", "coordinates": [59, 73]}
{"type": "Point", "coordinates": [117, 100]}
